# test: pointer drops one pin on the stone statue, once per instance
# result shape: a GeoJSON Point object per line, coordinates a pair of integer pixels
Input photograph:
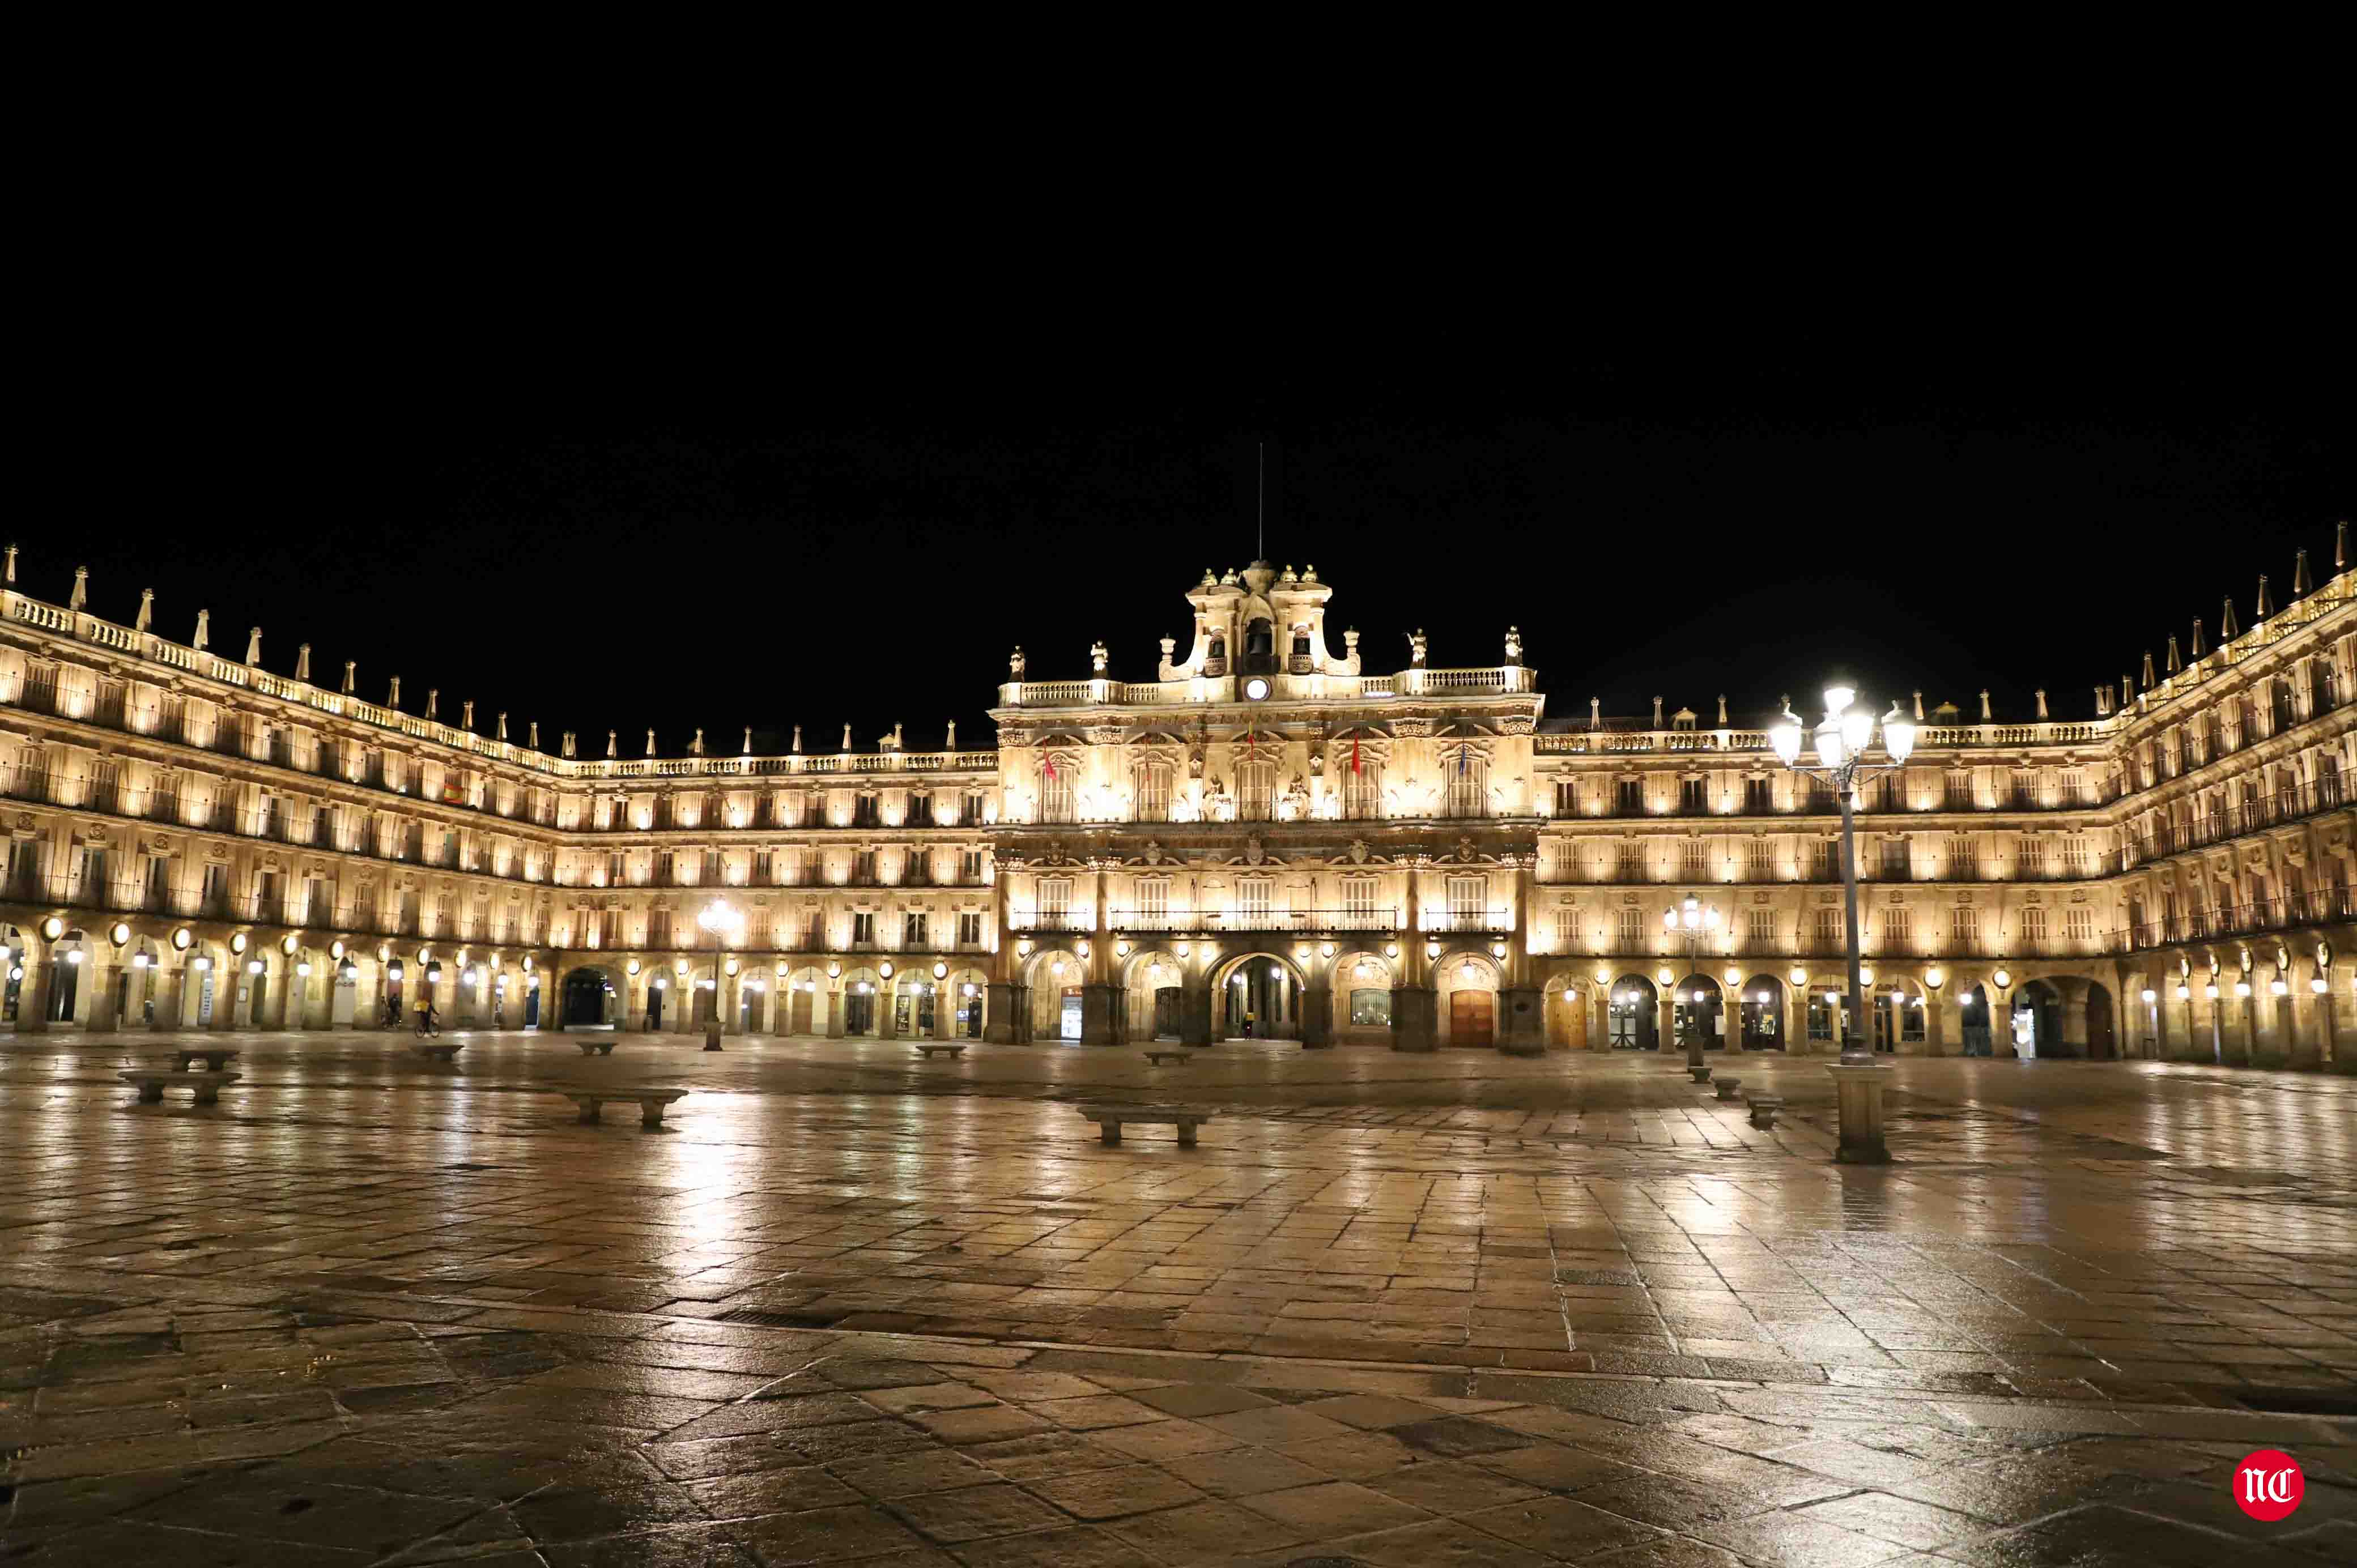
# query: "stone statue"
{"type": "Point", "coordinates": [147, 610]}
{"type": "Point", "coordinates": [433, 702]}
{"type": "Point", "coordinates": [466, 715]}
{"type": "Point", "coordinates": [1415, 647]}
{"type": "Point", "coordinates": [748, 740]}
{"type": "Point", "coordinates": [393, 694]}
{"type": "Point", "coordinates": [1514, 645]}
{"type": "Point", "coordinates": [351, 674]}
{"type": "Point", "coordinates": [1297, 797]}
{"type": "Point", "coordinates": [1220, 805]}
{"type": "Point", "coordinates": [80, 594]}
{"type": "Point", "coordinates": [254, 646]}
{"type": "Point", "coordinates": [1097, 660]}
{"type": "Point", "coordinates": [204, 630]}
{"type": "Point", "coordinates": [695, 747]}
{"type": "Point", "coordinates": [650, 743]}
{"type": "Point", "coordinates": [612, 740]}
{"type": "Point", "coordinates": [1014, 666]}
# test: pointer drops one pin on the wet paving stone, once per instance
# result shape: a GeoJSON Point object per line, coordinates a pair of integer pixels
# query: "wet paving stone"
{"type": "Point", "coordinates": [1459, 1309]}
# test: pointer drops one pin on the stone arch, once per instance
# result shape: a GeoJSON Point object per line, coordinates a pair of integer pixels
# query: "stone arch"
{"type": "Point", "coordinates": [1153, 989]}
{"type": "Point", "coordinates": [1634, 1012]}
{"type": "Point", "coordinates": [1467, 982]}
{"type": "Point", "coordinates": [591, 996]}
{"type": "Point", "coordinates": [1361, 981]}
{"type": "Point", "coordinates": [969, 999]}
{"type": "Point", "coordinates": [866, 998]}
{"type": "Point", "coordinates": [2037, 1020]}
{"type": "Point", "coordinates": [1243, 996]}
{"type": "Point", "coordinates": [1708, 1014]}
{"type": "Point", "coordinates": [1056, 975]}
{"type": "Point", "coordinates": [1760, 1012]}
{"type": "Point", "coordinates": [804, 1011]}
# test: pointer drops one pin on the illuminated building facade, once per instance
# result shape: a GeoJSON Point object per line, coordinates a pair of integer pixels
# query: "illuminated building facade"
{"type": "Point", "coordinates": [1265, 839]}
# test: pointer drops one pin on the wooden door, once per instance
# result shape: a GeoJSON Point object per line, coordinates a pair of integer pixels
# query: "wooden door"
{"type": "Point", "coordinates": [1471, 1018]}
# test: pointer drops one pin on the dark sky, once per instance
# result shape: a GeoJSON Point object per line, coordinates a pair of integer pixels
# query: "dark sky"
{"type": "Point", "coordinates": [726, 535]}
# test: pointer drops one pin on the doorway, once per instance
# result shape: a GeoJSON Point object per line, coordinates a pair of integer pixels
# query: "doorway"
{"type": "Point", "coordinates": [1166, 1003]}
{"type": "Point", "coordinates": [1472, 1018]}
{"type": "Point", "coordinates": [2103, 1043]}
{"type": "Point", "coordinates": [1067, 1016]}
{"type": "Point", "coordinates": [859, 1011]}
{"type": "Point", "coordinates": [1634, 1015]}
{"type": "Point", "coordinates": [586, 991]}
{"type": "Point", "coordinates": [1763, 1013]}
{"type": "Point", "coordinates": [1260, 1001]}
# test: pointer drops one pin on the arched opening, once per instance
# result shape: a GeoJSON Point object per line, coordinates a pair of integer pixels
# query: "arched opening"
{"type": "Point", "coordinates": [1973, 1020]}
{"type": "Point", "coordinates": [1469, 1000]}
{"type": "Point", "coordinates": [969, 991]}
{"type": "Point", "coordinates": [590, 1000]}
{"type": "Point", "coordinates": [1763, 1013]}
{"type": "Point", "coordinates": [915, 1006]}
{"type": "Point", "coordinates": [68, 957]}
{"type": "Point", "coordinates": [861, 1014]}
{"type": "Point", "coordinates": [1056, 978]}
{"type": "Point", "coordinates": [1363, 997]}
{"type": "Point", "coordinates": [14, 960]}
{"type": "Point", "coordinates": [803, 1014]}
{"type": "Point", "coordinates": [1260, 649]}
{"type": "Point", "coordinates": [532, 1000]}
{"type": "Point", "coordinates": [1634, 1015]}
{"type": "Point", "coordinates": [752, 1003]}
{"type": "Point", "coordinates": [1898, 1016]}
{"type": "Point", "coordinates": [2103, 1040]}
{"type": "Point", "coordinates": [1154, 996]}
{"type": "Point", "coordinates": [658, 1000]}
{"type": "Point", "coordinates": [1566, 1013]}
{"type": "Point", "coordinates": [1697, 1007]}
{"type": "Point", "coordinates": [2037, 1020]}
{"type": "Point", "coordinates": [1260, 999]}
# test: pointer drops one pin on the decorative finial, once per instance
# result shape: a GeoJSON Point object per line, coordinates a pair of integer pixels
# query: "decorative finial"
{"type": "Point", "coordinates": [1097, 660]}
{"type": "Point", "coordinates": [2043, 714]}
{"type": "Point", "coordinates": [695, 747]}
{"type": "Point", "coordinates": [351, 674]}
{"type": "Point", "coordinates": [951, 744]}
{"type": "Point", "coordinates": [2173, 663]}
{"type": "Point", "coordinates": [254, 646]}
{"type": "Point", "coordinates": [1986, 717]}
{"type": "Point", "coordinates": [2200, 648]}
{"type": "Point", "coordinates": [847, 740]}
{"type": "Point", "coordinates": [2266, 606]}
{"type": "Point", "coordinates": [434, 702]}
{"type": "Point", "coordinates": [1595, 712]}
{"type": "Point", "coordinates": [2103, 701]}
{"type": "Point", "coordinates": [1657, 713]}
{"type": "Point", "coordinates": [2148, 681]}
{"type": "Point", "coordinates": [502, 727]}
{"type": "Point", "coordinates": [302, 661]}
{"type": "Point", "coordinates": [12, 565]}
{"type": "Point", "coordinates": [147, 610]}
{"type": "Point", "coordinates": [2299, 582]}
{"type": "Point", "coordinates": [81, 590]}
{"type": "Point", "coordinates": [2226, 629]}
{"type": "Point", "coordinates": [651, 742]}
{"type": "Point", "coordinates": [1015, 662]}
{"type": "Point", "coordinates": [466, 715]}
{"type": "Point", "coordinates": [1919, 706]}
{"type": "Point", "coordinates": [569, 742]}
{"type": "Point", "coordinates": [798, 740]}
{"type": "Point", "coordinates": [748, 740]}
{"type": "Point", "coordinates": [2340, 548]}
{"type": "Point", "coordinates": [393, 696]}
{"type": "Point", "coordinates": [613, 746]}
{"type": "Point", "coordinates": [204, 631]}
{"type": "Point", "coordinates": [1722, 710]}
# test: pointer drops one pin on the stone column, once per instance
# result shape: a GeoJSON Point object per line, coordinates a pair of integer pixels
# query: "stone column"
{"type": "Point", "coordinates": [102, 996]}
{"type": "Point", "coordinates": [1097, 1005]}
{"type": "Point", "coordinates": [1935, 1025]}
{"type": "Point", "coordinates": [171, 984]}
{"type": "Point", "coordinates": [835, 1010]}
{"type": "Point", "coordinates": [2074, 1025]}
{"type": "Point", "coordinates": [1316, 1018]}
{"type": "Point", "coordinates": [33, 996]}
{"type": "Point", "coordinates": [1858, 1091]}
{"type": "Point", "coordinates": [1195, 1015]}
{"type": "Point", "coordinates": [1414, 1019]}
{"type": "Point", "coordinates": [998, 1013]}
{"type": "Point", "coordinates": [946, 1009]}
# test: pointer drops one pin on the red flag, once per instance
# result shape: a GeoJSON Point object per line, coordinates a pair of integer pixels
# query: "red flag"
{"type": "Point", "coordinates": [1354, 754]}
{"type": "Point", "coordinates": [1251, 744]}
{"type": "Point", "coordinates": [1052, 766]}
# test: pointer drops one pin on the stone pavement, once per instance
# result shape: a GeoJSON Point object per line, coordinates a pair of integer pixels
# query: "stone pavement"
{"type": "Point", "coordinates": [1458, 1309]}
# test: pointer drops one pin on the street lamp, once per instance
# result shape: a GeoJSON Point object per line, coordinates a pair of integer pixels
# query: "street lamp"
{"type": "Point", "coordinates": [1841, 742]}
{"type": "Point", "coordinates": [1692, 921]}
{"type": "Point", "coordinates": [723, 921]}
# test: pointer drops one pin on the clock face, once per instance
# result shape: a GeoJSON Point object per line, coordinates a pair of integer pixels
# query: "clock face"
{"type": "Point", "coordinates": [1257, 688]}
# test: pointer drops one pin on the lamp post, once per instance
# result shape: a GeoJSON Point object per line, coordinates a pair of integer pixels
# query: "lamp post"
{"type": "Point", "coordinates": [1841, 742]}
{"type": "Point", "coordinates": [722, 920]}
{"type": "Point", "coordinates": [1692, 920]}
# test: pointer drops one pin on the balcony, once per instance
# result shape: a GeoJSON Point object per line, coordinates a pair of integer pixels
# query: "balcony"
{"type": "Point", "coordinates": [1253, 921]}
{"type": "Point", "coordinates": [2321, 906]}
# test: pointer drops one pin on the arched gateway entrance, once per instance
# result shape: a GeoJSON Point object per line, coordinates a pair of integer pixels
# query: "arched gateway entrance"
{"type": "Point", "coordinates": [1260, 998]}
{"type": "Point", "coordinates": [588, 995]}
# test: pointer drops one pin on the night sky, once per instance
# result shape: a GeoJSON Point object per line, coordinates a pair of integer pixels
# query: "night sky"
{"type": "Point", "coordinates": [779, 539]}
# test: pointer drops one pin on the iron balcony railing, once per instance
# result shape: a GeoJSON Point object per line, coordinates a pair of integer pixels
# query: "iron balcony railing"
{"type": "Point", "coordinates": [1252, 920]}
{"type": "Point", "coordinates": [2315, 908]}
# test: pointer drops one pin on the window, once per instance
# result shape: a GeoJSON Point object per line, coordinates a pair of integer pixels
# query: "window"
{"type": "Point", "coordinates": [970, 929]}
{"type": "Point", "coordinates": [659, 928]}
{"type": "Point", "coordinates": [912, 932]}
{"type": "Point", "coordinates": [1956, 788]}
{"type": "Point", "coordinates": [764, 868]}
{"type": "Point", "coordinates": [1631, 930]}
{"type": "Point", "coordinates": [1055, 900]}
{"type": "Point", "coordinates": [1964, 861]}
{"type": "Point", "coordinates": [2033, 928]}
{"type": "Point", "coordinates": [714, 871]}
{"type": "Point", "coordinates": [2079, 922]}
{"type": "Point", "coordinates": [1759, 795]}
{"type": "Point", "coordinates": [1629, 865]}
{"type": "Point", "coordinates": [1694, 796]}
{"type": "Point", "coordinates": [970, 809]}
{"type": "Point", "coordinates": [1056, 789]}
{"type": "Point", "coordinates": [1566, 929]}
{"type": "Point", "coordinates": [814, 932]}
{"type": "Point", "coordinates": [970, 867]}
{"type": "Point", "coordinates": [1370, 1007]}
{"type": "Point", "coordinates": [1897, 930]}
{"type": "Point", "coordinates": [1252, 904]}
{"type": "Point", "coordinates": [1628, 797]}
{"type": "Point", "coordinates": [863, 812]}
{"type": "Point", "coordinates": [1362, 795]}
{"type": "Point", "coordinates": [920, 810]}
{"type": "Point", "coordinates": [1694, 860]}
{"type": "Point", "coordinates": [1257, 791]}
{"type": "Point", "coordinates": [1829, 929]}
{"type": "Point", "coordinates": [609, 929]}
{"type": "Point", "coordinates": [666, 872]}
{"type": "Point", "coordinates": [1153, 894]}
{"type": "Point", "coordinates": [2029, 857]}
{"type": "Point", "coordinates": [1759, 928]}
{"type": "Point", "coordinates": [863, 930]}
{"type": "Point", "coordinates": [917, 868]}
{"type": "Point", "coordinates": [1963, 930]}
{"type": "Point", "coordinates": [1469, 903]}
{"type": "Point", "coordinates": [1359, 902]}
{"type": "Point", "coordinates": [1154, 792]}
{"type": "Point", "coordinates": [1821, 1017]}
{"type": "Point", "coordinates": [862, 868]}
{"type": "Point", "coordinates": [1823, 863]}
{"type": "Point", "coordinates": [1567, 798]}
{"type": "Point", "coordinates": [1897, 863]}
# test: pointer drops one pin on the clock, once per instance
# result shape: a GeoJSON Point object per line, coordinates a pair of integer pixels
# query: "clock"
{"type": "Point", "coordinates": [1257, 688]}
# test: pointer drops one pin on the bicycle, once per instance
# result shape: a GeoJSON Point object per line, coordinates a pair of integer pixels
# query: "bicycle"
{"type": "Point", "coordinates": [427, 1027]}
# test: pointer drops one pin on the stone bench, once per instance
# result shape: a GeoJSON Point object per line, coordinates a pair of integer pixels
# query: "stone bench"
{"type": "Point", "coordinates": [596, 1048]}
{"type": "Point", "coordinates": [651, 1103]}
{"type": "Point", "coordinates": [1110, 1120]}
{"type": "Point", "coordinates": [926, 1052]}
{"type": "Point", "coordinates": [1764, 1108]}
{"type": "Point", "coordinates": [1158, 1058]}
{"type": "Point", "coordinates": [1699, 1074]}
{"type": "Point", "coordinates": [153, 1081]}
{"type": "Point", "coordinates": [1727, 1087]}
{"type": "Point", "coordinates": [442, 1051]}
{"type": "Point", "coordinates": [214, 1060]}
